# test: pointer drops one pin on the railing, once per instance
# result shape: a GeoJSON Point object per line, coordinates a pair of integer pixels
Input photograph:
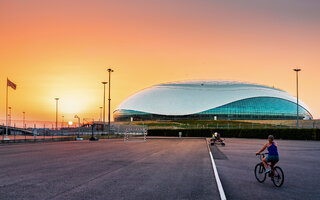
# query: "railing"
{"type": "Point", "coordinates": [18, 135]}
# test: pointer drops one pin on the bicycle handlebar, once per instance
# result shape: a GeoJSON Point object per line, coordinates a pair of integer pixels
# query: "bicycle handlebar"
{"type": "Point", "coordinates": [261, 154]}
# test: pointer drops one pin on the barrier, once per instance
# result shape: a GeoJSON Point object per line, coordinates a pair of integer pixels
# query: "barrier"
{"type": "Point", "coordinates": [135, 135]}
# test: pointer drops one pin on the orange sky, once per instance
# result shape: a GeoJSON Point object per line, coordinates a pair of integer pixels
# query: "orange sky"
{"type": "Point", "coordinates": [63, 48]}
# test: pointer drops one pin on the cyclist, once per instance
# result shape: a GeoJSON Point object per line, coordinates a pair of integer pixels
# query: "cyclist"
{"type": "Point", "coordinates": [217, 135]}
{"type": "Point", "coordinates": [273, 156]}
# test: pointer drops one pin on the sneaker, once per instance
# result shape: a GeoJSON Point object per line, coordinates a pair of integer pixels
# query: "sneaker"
{"type": "Point", "coordinates": [268, 170]}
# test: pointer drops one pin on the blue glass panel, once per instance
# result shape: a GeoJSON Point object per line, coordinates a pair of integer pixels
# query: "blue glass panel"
{"type": "Point", "coordinates": [265, 106]}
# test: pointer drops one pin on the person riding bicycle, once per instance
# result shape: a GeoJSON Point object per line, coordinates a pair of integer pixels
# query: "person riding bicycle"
{"type": "Point", "coordinates": [273, 155]}
{"type": "Point", "coordinates": [217, 135]}
{"type": "Point", "coordinates": [213, 137]}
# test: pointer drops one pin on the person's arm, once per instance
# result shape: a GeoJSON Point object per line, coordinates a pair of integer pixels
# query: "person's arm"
{"type": "Point", "coordinates": [262, 149]}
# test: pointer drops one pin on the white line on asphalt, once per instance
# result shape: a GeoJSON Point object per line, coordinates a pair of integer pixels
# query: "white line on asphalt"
{"type": "Point", "coordinates": [221, 191]}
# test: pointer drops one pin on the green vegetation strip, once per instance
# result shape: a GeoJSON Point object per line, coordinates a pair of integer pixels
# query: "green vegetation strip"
{"type": "Point", "coordinates": [284, 133]}
{"type": "Point", "coordinates": [209, 124]}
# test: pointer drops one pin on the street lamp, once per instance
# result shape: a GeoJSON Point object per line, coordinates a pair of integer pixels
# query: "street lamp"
{"type": "Point", "coordinates": [78, 138]}
{"type": "Point", "coordinates": [109, 70]}
{"type": "Point", "coordinates": [100, 119]}
{"type": "Point", "coordinates": [57, 99]}
{"type": "Point", "coordinates": [104, 103]}
{"type": "Point", "coordinates": [62, 124]}
{"type": "Point", "coordinates": [24, 119]}
{"type": "Point", "coordinates": [297, 70]}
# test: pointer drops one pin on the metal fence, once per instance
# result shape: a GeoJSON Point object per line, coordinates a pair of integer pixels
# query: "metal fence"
{"type": "Point", "coordinates": [17, 135]}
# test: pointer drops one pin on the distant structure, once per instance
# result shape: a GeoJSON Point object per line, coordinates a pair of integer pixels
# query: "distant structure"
{"type": "Point", "coordinates": [210, 100]}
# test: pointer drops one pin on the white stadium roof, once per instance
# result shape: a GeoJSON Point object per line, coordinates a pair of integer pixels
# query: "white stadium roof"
{"type": "Point", "coordinates": [191, 97]}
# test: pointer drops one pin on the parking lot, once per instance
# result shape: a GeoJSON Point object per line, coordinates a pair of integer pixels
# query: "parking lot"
{"type": "Point", "coordinates": [156, 169]}
{"type": "Point", "coordinates": [299, 160]}
{"type": "Point", "coordinates": [107, 169]}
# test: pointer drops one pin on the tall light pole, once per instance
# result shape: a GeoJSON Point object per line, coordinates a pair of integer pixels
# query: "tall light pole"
{"type": "Point", "coordinates": [100, 119]}
{"type": "Point", "coordinates": [57, 99]}
{"type": "Point", "coordinates": [24, 119]}
{"type": "Point", "coordinates": [297, 70]}
{"type": "Point", "coordinates": [109, 70]}
{"type": "Point", "coordinates": [104, 103]}
{"type": "Point", "coordinates": [62, 124]}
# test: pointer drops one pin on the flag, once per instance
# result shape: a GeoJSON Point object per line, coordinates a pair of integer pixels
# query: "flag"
{"type": "Point", "coordinates": [11, 84]}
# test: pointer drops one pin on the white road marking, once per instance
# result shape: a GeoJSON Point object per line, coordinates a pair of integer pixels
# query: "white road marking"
{"type": "Point", "coordinates": [220, 188]}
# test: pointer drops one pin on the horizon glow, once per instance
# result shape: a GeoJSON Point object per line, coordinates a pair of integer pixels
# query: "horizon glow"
{"type": "Point", "coordinates": [63, 49]}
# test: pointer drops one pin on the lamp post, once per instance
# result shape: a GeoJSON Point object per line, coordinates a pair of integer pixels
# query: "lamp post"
{"type": "Point", "coordinates": [78, 138]}
{"type": "Point", "coordinates": [24, 120]}
{"type": "Point", "coordinates": [62, 124]}
{"type": "Point", "coordinates": [57, 99]}
{"type": "Point", "coordinates": [297, 70]}
{"type": "Point", "coordinates": [104, 104]}
{"type": "Point", "coordinates": [100, 119]}
{"type": "Point", "coordinates": [109, 70]}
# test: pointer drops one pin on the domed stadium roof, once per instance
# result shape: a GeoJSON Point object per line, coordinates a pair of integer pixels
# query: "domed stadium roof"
{"type": "Point", "coordinates": [192, 97]}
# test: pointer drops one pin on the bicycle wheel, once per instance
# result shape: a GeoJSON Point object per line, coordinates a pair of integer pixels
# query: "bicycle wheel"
{"type": "Point", "coordinates": [259, 172]}
{"type": "Point", "coordinates": [278, 177]}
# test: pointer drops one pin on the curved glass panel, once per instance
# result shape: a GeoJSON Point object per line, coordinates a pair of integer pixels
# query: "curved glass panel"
{"type": "Point", "coordinates": [247, 109]}
{"type": "Point", "coordinates": [261, 108]}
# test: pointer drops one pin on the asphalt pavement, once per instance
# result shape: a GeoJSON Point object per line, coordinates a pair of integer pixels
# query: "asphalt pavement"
{"type": "Point", "coordinates": [300, 161]}
{"type": "Point", "coordinates": [108, 169]}
{"type": "Point", "coordinates": [166, 168]}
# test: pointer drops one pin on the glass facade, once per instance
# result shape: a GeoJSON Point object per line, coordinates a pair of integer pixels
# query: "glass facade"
{"type": "Point", "coordinates": [257, 108]}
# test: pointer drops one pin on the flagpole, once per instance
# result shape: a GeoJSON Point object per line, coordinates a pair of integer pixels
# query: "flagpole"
{"type": "Point", "coordinates": [7, 113]}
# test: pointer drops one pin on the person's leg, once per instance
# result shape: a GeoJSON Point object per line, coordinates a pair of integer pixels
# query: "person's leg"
{"type": "Point", "coordinates": [272, 166]}
{"type": "Point", "coordinates": [264, 161]}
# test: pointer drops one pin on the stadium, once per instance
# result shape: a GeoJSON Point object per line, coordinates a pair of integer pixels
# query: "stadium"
{"type": "Point", "coordinates": [210, 100]}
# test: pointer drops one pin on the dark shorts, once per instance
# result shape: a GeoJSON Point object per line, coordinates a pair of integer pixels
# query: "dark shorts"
{"type": "Point", "coordinates": [272, 158]}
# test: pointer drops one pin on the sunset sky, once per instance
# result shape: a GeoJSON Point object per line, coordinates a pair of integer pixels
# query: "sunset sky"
{"type": "Point", "coordinates": [59, 48]}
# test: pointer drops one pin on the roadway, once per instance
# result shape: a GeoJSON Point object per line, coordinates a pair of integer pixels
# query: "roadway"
{"type": "Point", "coordinates": [108, 169]}
{"type": "Point", "coordinates": [299, 160]}
{"type": "Point", "coordinates": [157, 169]}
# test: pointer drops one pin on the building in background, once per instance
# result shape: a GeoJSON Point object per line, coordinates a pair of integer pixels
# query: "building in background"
{"type": "Point", "coordinates": [210, 100]}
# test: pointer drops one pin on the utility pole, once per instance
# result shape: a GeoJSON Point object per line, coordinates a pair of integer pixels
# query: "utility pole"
{"type": "Point", "coordinates": [297, 70]}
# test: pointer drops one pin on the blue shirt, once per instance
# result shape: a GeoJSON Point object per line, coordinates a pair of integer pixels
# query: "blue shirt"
{"type": "Point", "coordinates": [273, 150]}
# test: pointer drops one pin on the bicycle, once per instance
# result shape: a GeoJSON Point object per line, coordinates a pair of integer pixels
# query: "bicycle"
{"type": "Point", "coordinates": [218, 140]}
{"type": "Point", "coordinates": [276, 174]}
